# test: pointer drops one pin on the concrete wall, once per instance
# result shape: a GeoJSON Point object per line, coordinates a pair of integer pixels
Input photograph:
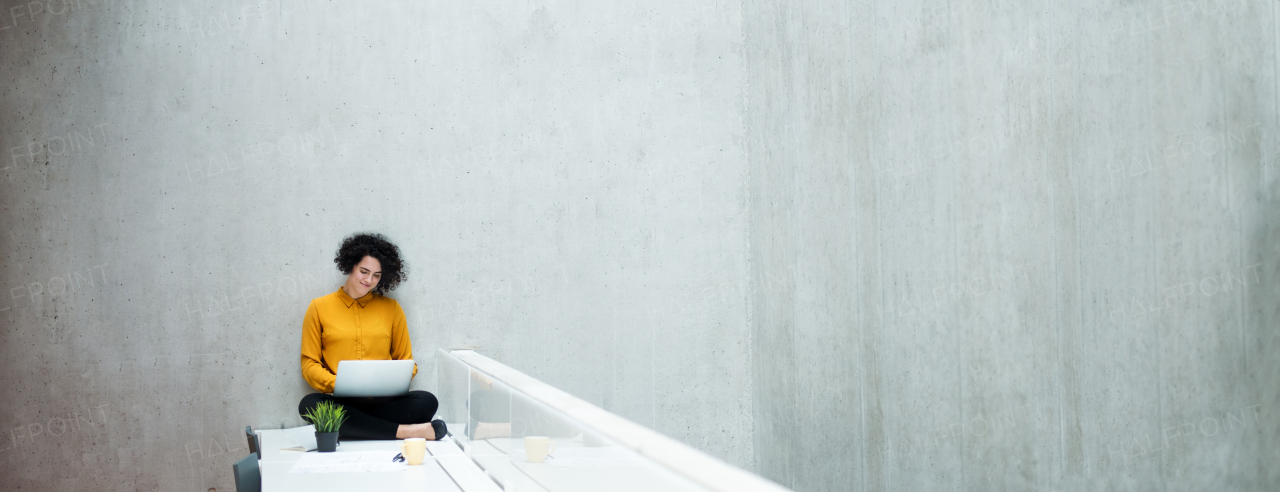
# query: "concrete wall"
{"type": "Point", "coordinates": [904, 246]}
{"type": "Point", "coordinates": [566, 180]}
{"type": "Point", "coordinates": [1005, 246]}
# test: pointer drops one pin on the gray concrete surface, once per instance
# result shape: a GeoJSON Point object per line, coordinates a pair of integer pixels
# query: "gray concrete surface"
{"type": "Point", "coordinates": [565, 179]}
{"type": "Point", "coordinates": [1005, 246]}
{"type": "Point", "coordinates": [893, 246]}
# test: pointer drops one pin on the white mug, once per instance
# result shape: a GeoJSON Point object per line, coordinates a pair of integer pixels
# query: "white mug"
{"type": "Point", "coordinates": [414, 449]}
{"type": "Point", "coordinates": [536, 448]}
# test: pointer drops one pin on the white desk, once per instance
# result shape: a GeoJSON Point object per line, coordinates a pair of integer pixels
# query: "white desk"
{"type": "Point", "coordinates": [458, 474]}
{"type": "Point", "coordinates": [521, 476]}
{"type": "Point", "coordinates": [497, 462]}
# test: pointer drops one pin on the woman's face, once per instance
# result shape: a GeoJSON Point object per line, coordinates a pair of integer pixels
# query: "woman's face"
{"type": "Point", "coordinates": [364, 277]}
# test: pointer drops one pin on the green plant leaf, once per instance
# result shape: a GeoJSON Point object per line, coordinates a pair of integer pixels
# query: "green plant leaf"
{"type": "Point", "coordinates": [327, 416]}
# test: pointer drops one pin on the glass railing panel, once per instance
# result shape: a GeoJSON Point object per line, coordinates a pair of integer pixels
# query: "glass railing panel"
{"type": "Point", "coordinates": [581, 459]}
{"type": "Point", "coordinates": [506, 419]}
{"type": "Point", "coordinates": [452, 391]}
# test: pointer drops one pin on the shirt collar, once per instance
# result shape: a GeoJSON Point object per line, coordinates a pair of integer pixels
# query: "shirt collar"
{"type": "Point", "coordinates": [346, 299]}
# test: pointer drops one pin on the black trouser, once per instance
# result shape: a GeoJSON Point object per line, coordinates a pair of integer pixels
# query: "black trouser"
{"type": "Point", "coordinates": [379, 417]}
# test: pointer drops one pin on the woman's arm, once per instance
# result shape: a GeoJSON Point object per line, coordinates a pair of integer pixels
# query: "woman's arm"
{"type": "Point", "coordinates": [313, 369]}
{"type": "Point", "coordinates": [401, 348]}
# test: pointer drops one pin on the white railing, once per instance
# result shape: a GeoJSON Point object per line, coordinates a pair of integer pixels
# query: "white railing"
{"type": "Point", "coordinates": [491, 407]}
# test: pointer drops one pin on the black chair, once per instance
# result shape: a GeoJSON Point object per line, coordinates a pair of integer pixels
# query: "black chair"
{"type": "Point", "coordinates": [254, 446]}
{"type": "Point", "coordinates": [248, 476]}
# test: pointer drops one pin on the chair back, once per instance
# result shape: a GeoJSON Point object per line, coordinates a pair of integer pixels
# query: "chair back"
{"type": "Point", "coordinates": [248, 476]}
{"type": "Point", "coordinates": [254, 446]}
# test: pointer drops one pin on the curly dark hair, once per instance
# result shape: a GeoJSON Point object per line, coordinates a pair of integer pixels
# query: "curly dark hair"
{"type": "Point", "coordinates": [357, 246]}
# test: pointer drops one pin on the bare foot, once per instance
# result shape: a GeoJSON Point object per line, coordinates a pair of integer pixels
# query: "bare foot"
{"type": "Point", "coordinates": [424, 431]}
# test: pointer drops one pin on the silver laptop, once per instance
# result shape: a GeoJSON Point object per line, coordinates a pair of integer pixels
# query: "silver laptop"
{"type": "Point", "coordinates": [360, 378]}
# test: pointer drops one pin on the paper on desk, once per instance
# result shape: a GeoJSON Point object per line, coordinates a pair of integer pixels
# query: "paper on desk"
{"type": "Point", "coordinates": [348, 462]}
{"type": "Point", "coordinates": [299, 438]}
{"type": "Point", "coordinates": [585, 457]}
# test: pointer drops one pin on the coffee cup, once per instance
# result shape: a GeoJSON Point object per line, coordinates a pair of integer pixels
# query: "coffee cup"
{"type": "Point", "coordinates": [414, 449]}
{"type": "Point", "coordinates": [536, 448]}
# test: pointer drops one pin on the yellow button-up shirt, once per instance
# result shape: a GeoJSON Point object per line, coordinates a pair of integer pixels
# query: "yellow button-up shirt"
{"type": "Point", "coordinates": [338, 328]}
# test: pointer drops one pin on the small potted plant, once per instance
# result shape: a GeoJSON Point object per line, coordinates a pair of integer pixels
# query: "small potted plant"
{"type": "Point", "coordinates": [327, 416]}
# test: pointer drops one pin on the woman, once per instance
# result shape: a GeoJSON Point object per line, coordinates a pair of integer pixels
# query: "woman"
{"type": "Point", "coordinates": [358, 322]}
